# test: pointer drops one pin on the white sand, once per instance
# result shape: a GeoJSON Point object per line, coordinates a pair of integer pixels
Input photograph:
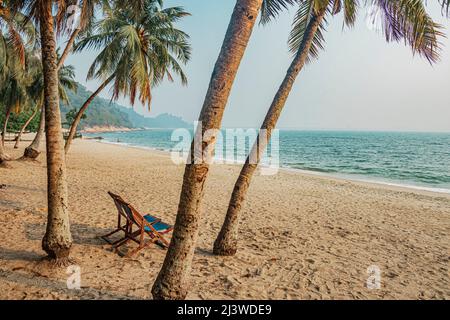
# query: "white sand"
{"type": "Point", "coordinates": [302, 236]}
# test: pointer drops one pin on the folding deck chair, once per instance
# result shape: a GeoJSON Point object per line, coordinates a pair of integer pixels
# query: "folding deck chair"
{"type": "Point", "coordinates": [128, 218]}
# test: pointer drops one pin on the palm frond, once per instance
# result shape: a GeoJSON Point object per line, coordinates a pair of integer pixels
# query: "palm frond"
{"type": "Point", "coordinates": [302, 19]}
{"type": "Point", "coordinates": [137, 49]}
{"type": "Point", "coordinates": [272, 8]}
{"type": "Point", "coordinates": [408, 21]}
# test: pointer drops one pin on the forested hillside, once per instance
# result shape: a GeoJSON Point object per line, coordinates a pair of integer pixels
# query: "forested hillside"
{"type": "Point", "coordinates": [101, 112]}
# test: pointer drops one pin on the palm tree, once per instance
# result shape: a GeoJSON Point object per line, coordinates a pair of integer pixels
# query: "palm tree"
{"type": "Point", "coordinates": [171, 282]}
{"type": "Point", "coordinates": [13, 93]}
{"type": "Point", "coordinates": [16, 35]}
{"type": "Point", "coordinates": [137, 52]}
{"type": "Point", "coordinates": [87, 15]}
{"type": "Point", "coordinates": [86, 19]}
{"type": "Point", "coordinates": [404, 20]}
{"type": "Point", "coordinates": [66, 80]}
{"type": "Point", "coordinates": [25, 126]}
{"type": "Point", "coordinates": [57, 240]}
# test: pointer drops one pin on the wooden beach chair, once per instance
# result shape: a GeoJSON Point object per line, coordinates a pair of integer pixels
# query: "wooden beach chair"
{"type": "Point", "coordinates": [148, 226]}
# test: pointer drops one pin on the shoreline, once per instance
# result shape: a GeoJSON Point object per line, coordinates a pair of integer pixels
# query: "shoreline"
{"type": "Point", "coordinates": [391, 185]}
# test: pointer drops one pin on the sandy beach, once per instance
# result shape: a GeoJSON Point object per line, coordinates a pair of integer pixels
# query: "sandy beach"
{"type": "Point", "coordinates": [302, 236]}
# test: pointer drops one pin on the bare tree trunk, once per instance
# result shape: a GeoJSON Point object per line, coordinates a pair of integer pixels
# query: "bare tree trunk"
{"type": "Point", "coordinates": [24, 127]}
{"type": "Point", "coordinates": [68, 48]}
{"type": "Point", "coordinates": [79, 116]}
{"type": "Point", "coordinates": [172, 281]}
{"type": "Point", "coordinates": [33, 151]}
{"type": "Point", "coordinates": [5, 126]}
{"type": "Point", "coordinates": [226, 242]}
{"type": "Point", "coordinates": [58, 239]}
{"type": "Point", "coordinates": [3, 156]}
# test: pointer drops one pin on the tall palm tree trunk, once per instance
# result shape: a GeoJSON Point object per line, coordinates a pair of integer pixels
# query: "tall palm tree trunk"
{"type": "Point", "coordinates": [5, 126]}
{"type": "Point", "coordinates": [33, 151]}
{"type": "Point", "coordinates": [24, 127]}
{"type": "Point", "coordinates": [79, 116]}
{"type": "Point", "coordinates": [226, 242]}
{"type": "Point", "coordinates": [58, 239]}
{"type": "Point", "coordinates": [171, 282]}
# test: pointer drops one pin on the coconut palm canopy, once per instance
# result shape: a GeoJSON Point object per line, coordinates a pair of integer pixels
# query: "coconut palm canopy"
{"type": "Point", "coordinates": [137, 50]}
{"type": "Point", "coordinates": [13, 88]}
{"type": "Point", "coordinates": [402, 20]}
{"type": "Point", "coordinates": [23, 87]}
{"type": "Point", "coordinates": [36, 88]}
{"type": "Point", "coordinates": [16, 36]}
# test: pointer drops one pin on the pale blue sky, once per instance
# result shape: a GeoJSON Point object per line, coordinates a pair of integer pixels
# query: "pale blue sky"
{"type": "Point", "coordinates": [359, 82]}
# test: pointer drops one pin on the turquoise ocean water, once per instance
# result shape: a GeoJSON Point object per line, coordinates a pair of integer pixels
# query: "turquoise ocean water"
{"type": "Point", "coordinates": [419, 160]}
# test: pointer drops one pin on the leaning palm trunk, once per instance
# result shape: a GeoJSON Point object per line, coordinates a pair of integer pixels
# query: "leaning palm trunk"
{"type": "Point", "coordinates": [68, 48]}
{"type": "Point", "coordinates": [79, 116]}
{"type": "Point", "coordinates": [33, 151]}
{"type": "Point", "coordinates": [3, 156]}
{"type": "Point", "coordinates": [226, 242]}
{"type": "Point", "coordinates": [171, 282]}
{"type": "Point", "coordinates": [5, 126]}
{"type": "Point", "coordinates": [58, 239]}
{"type": "Point", "coordinates": [24, 127]}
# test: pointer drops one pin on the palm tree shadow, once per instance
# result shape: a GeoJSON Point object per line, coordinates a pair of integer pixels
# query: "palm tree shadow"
{"type": "Point", "coordinates": [16, 255]}
{"type": "Point", "coordinates": [9, 204]}
{"type": "Point", "coordinates": [82, 234]}
{"type": "Point", "coordinates": [204, 252]}
{"type": "Point", "coordinates": [60, 287]}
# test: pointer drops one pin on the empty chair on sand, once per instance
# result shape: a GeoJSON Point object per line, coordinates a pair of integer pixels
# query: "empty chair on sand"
{"type": "Point", "coordinates": [148, 226]}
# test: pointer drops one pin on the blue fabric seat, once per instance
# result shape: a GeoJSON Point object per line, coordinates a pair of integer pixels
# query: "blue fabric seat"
{"type": "Point", "coordinates": [159, 226]}
{"type": "Point", "coordinates": [154, 228]}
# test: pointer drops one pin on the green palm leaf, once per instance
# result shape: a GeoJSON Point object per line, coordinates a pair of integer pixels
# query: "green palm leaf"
{"type": "Point", "coordinates": [137, 49]}
{"type": "Point", "coordinates": [272, 8]}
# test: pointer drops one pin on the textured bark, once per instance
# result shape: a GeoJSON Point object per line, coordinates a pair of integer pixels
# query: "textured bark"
{"type": "Point", "coordinates": [226, 242]}
{"type": "Point", "coordinates": [172, 281]}
{"type": "Point", "coordinates": [24, 127]}
{"type": "Point", "coordinates": [58, 239]}
{"type": "Point", "coordinates": [5, 126]}
{"type": "Point", "coordinates": [78, 117]}
{"type": "Point", "coordinates": [68, 48]}
{"type": "Point", "coordinates": [33, 151]}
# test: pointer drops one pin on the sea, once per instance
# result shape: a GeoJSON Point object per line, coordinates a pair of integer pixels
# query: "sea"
{"type": "Point", "coordinates": [407, 159]}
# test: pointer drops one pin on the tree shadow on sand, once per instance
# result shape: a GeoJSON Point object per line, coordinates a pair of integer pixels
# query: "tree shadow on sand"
{"type": "Point", "coordinates": [204, 252]}
{"type": "Point", "coordinates": [60, 287]}
{"type": "Point", "coordinates": [82, 234]}
{"type": "Point", "coordinates": [10, 205]}
{"type": "Point", "coordinates": [15, 255]}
